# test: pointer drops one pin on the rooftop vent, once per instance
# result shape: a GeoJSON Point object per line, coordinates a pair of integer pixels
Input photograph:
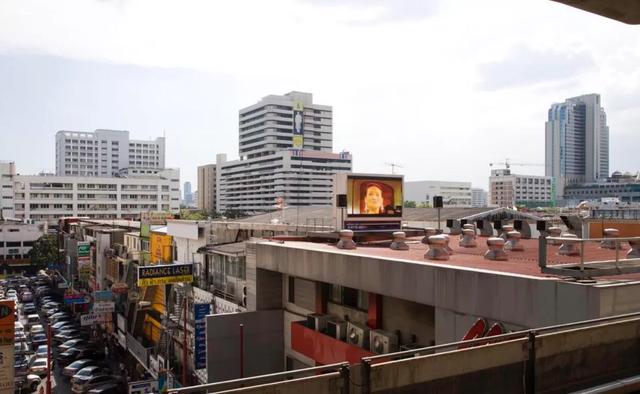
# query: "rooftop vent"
{"type": "Point", "coordinates": [496, 249]}
{"type": "Point", "coordinates": [569, 246]}
{"type": "Point", "coordinates": [399, 238]}
{"type": "Point", "coordinates": [513, 242]}
{"type": "Point", "coordinates": [468, 239]}
{"type": "Point", "coordinates": [346, 240]}
{"type": "Point", "coordinates": [429, 231]}
{"type": "Point", "coordinates": [437, 248]}
{"type": "Point", "coordinates": [610, 243]}
{"type": "Point", "coordinates": [554, 232]}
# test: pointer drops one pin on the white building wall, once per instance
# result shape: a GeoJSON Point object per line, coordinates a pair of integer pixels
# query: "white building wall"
{"type": "Point", "coordinates": [47, 197]}
{"type": "Point", "coordinates": [478, 198]}
{"type": "Point", "coordinates": [454, 194]}
{"type": "Point", "coordinates": [16, 239]}
{"type": "Point", "coordinates": [105, 152]}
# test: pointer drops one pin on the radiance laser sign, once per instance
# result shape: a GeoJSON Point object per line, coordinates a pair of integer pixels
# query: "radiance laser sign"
{"type": "Point", "coordinates": [152, 275]}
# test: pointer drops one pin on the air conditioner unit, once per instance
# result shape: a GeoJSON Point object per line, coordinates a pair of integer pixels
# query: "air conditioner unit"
{"type": "Point", "coordinates": [382, 342]}
{"type": "Point", "coordinates": [337, 329]}
{"type": "Point", "coordinates": [317, 321]}
{"type": "Point", "coordinates": [358, 334]}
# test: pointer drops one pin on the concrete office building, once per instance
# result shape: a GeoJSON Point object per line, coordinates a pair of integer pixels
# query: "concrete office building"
{"type": "Point", "coordinates": [454, 194]}
{"type": "Point", "coordinates": [577, 142]}
{"type": "Point", "coordinates": [49, 197]}
{"type": "Point", "coordinates": [104, 153]}
{"type": "Point", "coordinates": [7, 172]}
{"type": "Point", "coordinates": [285, 152]}
{"type": "Point", "coordinates": [508, 190]}
{"type": "Point", "coordinates": [621, 187]}
{"type": "Point", "coordinates": [207, 185]}
{"type": "Point", "coordinates": [478, 197]}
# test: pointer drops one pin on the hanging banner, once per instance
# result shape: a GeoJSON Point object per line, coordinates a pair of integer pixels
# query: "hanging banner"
{"type": "Point", "coordinates": [200, 312]}
{"type": "Point", "coordinates": [298, 125]}
{"type": "Point", "coordinates": [104, 307]}
{"type": "Point", "coordinates": [92, 318]}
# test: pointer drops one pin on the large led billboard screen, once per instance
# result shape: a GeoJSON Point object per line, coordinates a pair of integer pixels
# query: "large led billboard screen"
{"type": "Point", "coordinates": [374, 196]}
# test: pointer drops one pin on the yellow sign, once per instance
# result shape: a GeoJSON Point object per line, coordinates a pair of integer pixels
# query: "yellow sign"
{"type": "Point", "coordinates": [161, 248]}
{"type": "Point", "coordinates": [165, 280]}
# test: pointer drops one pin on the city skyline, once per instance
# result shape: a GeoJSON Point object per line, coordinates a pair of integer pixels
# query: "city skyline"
{"type": "Point", "coordinates": [194, 100]}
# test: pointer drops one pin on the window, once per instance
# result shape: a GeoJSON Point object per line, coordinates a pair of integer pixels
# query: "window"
{"type": "Point", "coordinates": [350, 297]}
{"type": "Point", "coordinates": [292, 290]}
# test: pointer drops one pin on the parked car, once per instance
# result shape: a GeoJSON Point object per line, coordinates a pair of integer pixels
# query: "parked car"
{"type": "Point", "coordinates": [26, 296]}
{"type": "Point", "coordinates": [37, 340]}
{"type": "Point", "coordinates": [77, 365]}
{"type": "Point", "coordinates": [20, 347]}
{"type": "Point", "coordinates": [63, 325]}
{"type": "Point", "coordinates": [91, 383]}
{"type": "Point", "coordinates": [29, 308]}
{"type": "Point", "coordinates": [39, 366]}
{"type": "Point", "coordinates": [20, 363]}
{"type": "Point", "coordinates": [71, 343]}
{"type": "Point", "coordinates": [32, 319]}
{"type": "Point", "coordinates": [29, 382]}
{"type": "Point", "coordinates": [89, 372]}
{"type": "Point", "coordinates": [36, 329]}
{"type": "Point", "coordinates": [42, 351]}
{"type": "Point", "coordinates": [76, 353]}
{"type": "Point", "coordinates": [72, 333]}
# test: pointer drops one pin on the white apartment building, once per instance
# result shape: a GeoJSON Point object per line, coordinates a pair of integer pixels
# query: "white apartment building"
{"type": "Point", "coordinates": [103, 153]}
{"type": "Point", "coordinates": [285, 152]}
{"type": "Point", "coordinates": [478, 197]}
{"type": "Point", "coordinates": [17, 239]}
{"type": "Point", "coordinates": [508, 190]}
{"type": "Point", "coordinates": [49, 197]}
{"type": "Point", "coordinates": [7, 172]}
{"type": "Point", "coordinates": [454, 194]}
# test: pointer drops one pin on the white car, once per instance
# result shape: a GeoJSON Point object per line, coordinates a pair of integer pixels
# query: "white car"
{"type": "Point", "coordinates": [39, 366]}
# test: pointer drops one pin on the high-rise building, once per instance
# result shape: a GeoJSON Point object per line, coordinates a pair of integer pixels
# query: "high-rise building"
{"type": "Point", "coordinates": [478, 197]}
{"type": "Point", "coordinates": [207, 185]}
{"type": "Point", "coordinates": [508, 190]}
{"type": "Point", "coordinates": [285, 153]}
{"type": "Point", "coordinates": [187, 197]}
{"type": "Point", "coordinates": [104, 153]}
{"type": "Point", "coordinates": [577, 141]}
{"type": "Point", "coordinates": [454, 194]}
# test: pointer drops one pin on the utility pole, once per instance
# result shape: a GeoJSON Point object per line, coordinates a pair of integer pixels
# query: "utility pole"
{"type": "Point", "coordinates": [184, 343]}
{"type": "Point", "coordinates": [49, 364]}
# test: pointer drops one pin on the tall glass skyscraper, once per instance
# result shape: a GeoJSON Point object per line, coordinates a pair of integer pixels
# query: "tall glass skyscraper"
{"type": "Point", "coordinates": [577, 142]}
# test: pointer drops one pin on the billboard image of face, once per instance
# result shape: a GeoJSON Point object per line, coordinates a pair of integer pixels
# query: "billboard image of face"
{"type": "Point", "coordinates": [380, 197]}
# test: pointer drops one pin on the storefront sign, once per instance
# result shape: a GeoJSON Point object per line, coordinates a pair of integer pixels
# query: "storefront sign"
{"type": "Point", "coordinates": [104, 307]}
{"type": "Point", "coordinates": [164, 274]}
{"type": "Point", "coordinates": [200, 312]}
{"type": "Point", "coordinates": [77, 299]}
{"type": "Point", "coordinates": [103, 295]}
{"type": "Point", "coordinates": [84, 270]}
{"type": "Point", "coordinates": [84, 250]}
{"type": "Point", "coordinates": [92, 318]}
{"type": "Point", "coordinates": [119, 288]}
{"type": "Point", "coordinates": [7, 338]}
{"type": "Point", "coordinates": [143, 387]}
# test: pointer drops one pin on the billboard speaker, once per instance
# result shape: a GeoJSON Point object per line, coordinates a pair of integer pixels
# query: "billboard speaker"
{"type": "Point", "coordinates": [463, 222]}
{"type": "Point", "coordinates": [517, 225]}
{"type": "Point", "coordinates": [341, 202]}
{"type": "Point", "coordinates": [480, 224]}
{"type": "Point", "coordinates": [541, 225]}
{"type": "Point", "coordinates": [497, 224]}
{"type": "Point", "coordinates": [449, 223]}
{"type": "Point", "coordinates": [437, 201]}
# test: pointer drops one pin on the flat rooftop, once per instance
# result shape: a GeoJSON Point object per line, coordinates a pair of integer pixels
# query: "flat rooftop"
{"type": "Point", "coordinates": [523, 263]}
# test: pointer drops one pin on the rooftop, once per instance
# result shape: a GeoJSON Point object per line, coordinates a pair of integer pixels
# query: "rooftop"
{"type": "Point", "coordinates": [520, 263]}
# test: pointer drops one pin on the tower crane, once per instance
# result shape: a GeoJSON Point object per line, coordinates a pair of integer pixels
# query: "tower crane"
{"type": "Point", "coordinates": [507, 164]}
{"type": "Point", "coordinates": [393, 167]}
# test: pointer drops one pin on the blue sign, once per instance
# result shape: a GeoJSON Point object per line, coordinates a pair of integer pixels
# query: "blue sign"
{"type": "Point", "coordinates": [200, 312]}
{"type": "Point", "coordinates": [102, 295]}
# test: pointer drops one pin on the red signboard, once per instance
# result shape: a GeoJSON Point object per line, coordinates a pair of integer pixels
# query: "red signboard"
{"type": "Point", "coordinates": [323, 348]}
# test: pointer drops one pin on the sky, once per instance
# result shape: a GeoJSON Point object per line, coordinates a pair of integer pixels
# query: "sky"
{"type": "Point", "coordinates": [441, 88]}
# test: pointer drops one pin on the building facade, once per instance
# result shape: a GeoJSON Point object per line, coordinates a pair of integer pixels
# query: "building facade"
{"type": "Point", "coordinates": [49, 197]}
{"type": "Point", "coordinates": [454, 194]}
{"type": "Point", "coordinates": [478, 197]}
{"type": "Point", "coordinates": [187, 198]}
{"type": "Point", "coordinates": [620, 187]}
{"type": "Point", "coordinates": [508, 190]}
{"type": "Point", "coordinates": [577, 141]}
{"type": "Point", "coordinates": [207, 187]}
{"type": "Point", "coordinates": [285, 153]}
{"type": "Point", "coordinates": [103, 153]}
{"type": "Point", "coordinates": [16, 241]}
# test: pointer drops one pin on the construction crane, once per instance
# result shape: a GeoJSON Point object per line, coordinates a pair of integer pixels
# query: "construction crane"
{"type": "Point", "coordinates": [507, 164]}
{"type": "Point", "coordinates": [393, 167]}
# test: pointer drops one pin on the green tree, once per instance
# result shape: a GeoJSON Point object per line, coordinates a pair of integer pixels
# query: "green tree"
{"type": "Point", "coordinates": [409, 204]}
{"type": "Point", "coordinates": [44, 251]}
{"type": "Point", "coordinates": [193, 215]}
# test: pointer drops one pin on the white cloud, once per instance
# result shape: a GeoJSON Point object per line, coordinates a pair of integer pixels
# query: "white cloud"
{"type": "Point", "coordinates": [407, 79]}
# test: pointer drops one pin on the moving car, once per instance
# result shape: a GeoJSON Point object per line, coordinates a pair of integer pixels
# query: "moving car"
{"type": "Point", "coordinates": [93, 382]}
